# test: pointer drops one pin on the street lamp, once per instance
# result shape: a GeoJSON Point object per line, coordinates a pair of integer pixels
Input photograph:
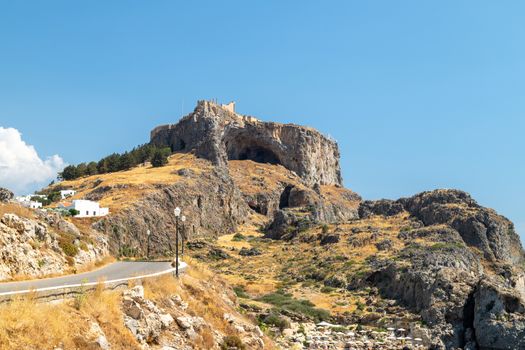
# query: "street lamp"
{"type": "Point", "coordinates": [148, 233]}
{"type": "Point", "coordinates": [183, 233]}
{"type": "Point", "coordinates": [177, 211]}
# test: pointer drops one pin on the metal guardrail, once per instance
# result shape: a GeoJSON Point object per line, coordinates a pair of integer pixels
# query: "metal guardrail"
{"type": "Point", "coordinates": [64, 291]}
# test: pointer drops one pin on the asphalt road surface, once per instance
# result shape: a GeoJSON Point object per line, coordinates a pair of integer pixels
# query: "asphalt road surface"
{"type": "Point", "coordinates": [115, 271]}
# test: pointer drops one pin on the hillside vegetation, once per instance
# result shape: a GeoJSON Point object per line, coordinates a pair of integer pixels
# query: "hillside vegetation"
{"type": "Point", "coordinates": [196, 312]}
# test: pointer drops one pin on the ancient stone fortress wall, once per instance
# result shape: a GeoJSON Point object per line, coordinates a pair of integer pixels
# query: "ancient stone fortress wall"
{"type": "Point", "coordinates": [215, 132]}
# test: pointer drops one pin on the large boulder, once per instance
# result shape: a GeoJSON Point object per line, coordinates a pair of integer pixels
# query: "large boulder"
{"type": "Point", "coordinates": [499, 317]}
{"type": "Point", "coordinates": [5, 195]}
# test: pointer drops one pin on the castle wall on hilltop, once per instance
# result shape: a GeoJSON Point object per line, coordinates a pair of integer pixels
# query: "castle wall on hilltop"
{"type": "Point", "coordinates": [218, 134]}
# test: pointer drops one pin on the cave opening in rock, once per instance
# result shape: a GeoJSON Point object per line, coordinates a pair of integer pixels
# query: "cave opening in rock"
{"type": "Point", "coordinates": [239, 150]}
{"type": "Point", "coordinates": [469, 309]}
{"type": "Point", "coordinates": [284, 200]}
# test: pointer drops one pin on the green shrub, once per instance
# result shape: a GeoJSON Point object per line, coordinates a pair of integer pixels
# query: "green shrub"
{"type": "Point", "coordinates": [238, 237]}
{"type": "Point", "coordinates": [160, 157]}
{"type": "Point", "coordinates": [66, 243]}
{"type": "Point", "coordinates": [127, 251]}
{"type": "Point", "coordinates": [285, 301]}
{"type": "Point", "coordinates": [81, 297]}
{"type": "Point", "coordinates": [240, 292]}
{"type": "Point", "coordinates": [274, 319]}
{"type": "Point", "coordinates": [327, 289]}
{"type": "Point", "coordinates": [232, 341]}
{"type": "Point", "coordinates": [73, 212]}
{"type": "Point", "coordinates": [442, 245]}
{"type": "Point", "coordinates": [324, 228]}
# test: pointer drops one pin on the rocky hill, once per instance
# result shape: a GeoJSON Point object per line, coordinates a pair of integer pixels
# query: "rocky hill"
{"type": "Point", "coordinates": [36, 244]}
{"type": "Point", "coordinates": [266, 209]}
{"type": "Point", "coordinates": [197, 311]}
{"type": "Point", "coordinates": [218, 134]}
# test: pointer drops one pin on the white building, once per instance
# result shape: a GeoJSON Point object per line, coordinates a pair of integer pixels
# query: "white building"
{"type": "Point", "coordinates": [67, 193]}
{"type": "Point", "coordinates": [32, 204]}
{"type": "Point", "coordinates": [22, 199]}
{"type": "Point", "coordinates": [27, 202]}
{"type": "Point", "coordinates": [86, 208]}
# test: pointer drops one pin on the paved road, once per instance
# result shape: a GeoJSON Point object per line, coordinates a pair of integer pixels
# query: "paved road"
{"type": "Point", "coordinates": [116, 271]}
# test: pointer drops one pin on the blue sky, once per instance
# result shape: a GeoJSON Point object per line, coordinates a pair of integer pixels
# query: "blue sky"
{"type": "Point", "coordinates": [420, 95]}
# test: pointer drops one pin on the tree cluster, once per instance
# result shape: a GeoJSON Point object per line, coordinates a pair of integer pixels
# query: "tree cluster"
{"type": "Point", "coordinates": [158, 156]}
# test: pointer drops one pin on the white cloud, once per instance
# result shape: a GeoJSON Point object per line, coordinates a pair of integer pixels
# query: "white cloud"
{"type": "Point", "coordinates": [21, 169]}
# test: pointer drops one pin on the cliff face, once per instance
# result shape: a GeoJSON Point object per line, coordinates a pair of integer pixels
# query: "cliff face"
{"type": "Point", "coordinates": [44, 245]}
{"type": "Point", "coordinates": [210, 202]}
{"type": "Point", "coordinates": [467, 283]}
{"type": "Point", "coordinates": [217, 134]}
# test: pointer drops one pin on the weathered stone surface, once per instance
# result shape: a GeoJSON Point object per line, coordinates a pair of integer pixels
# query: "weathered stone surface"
{"type": "Point", "coordinates": [217, 134]}
{"type": "Point", "coordinates": [249, 251]}
{"type": "Point", "coordinates": [384, 244]}
{"type": "Point", "coordinates": [384, 207]}
{"type": "Point", "coordinates": [446, 282]}
{"type": "Point", "coordinates": [212, 205]}
{"type": "Point", "coordinates": [287, 224]}
{"type": "Point", "coordinates": [97, 336]}
{"type": "Point", "coordinates": [29, 247]}
{"type": "Point", "coordinates": [5, 195]}
{"type": "Point", "coordinates": [329, 238]}
{"type": "Point", "coordinates": [478, 227]}
{"type": "Point", "coordinates": [499, 317]}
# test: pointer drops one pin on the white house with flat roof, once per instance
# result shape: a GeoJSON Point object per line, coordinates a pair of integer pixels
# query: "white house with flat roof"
{"type": "Point", "coordinates": [87, 208]}
{"type": "Point", "coordinates": [27, 201]}
{"type": "Point", "coordinates": [31, 204]}
{"type": "Point", "coordinates": [67, 193]}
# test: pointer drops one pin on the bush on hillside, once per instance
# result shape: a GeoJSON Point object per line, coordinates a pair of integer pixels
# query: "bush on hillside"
{"type": "Point", "coordinates": [73, 212]}
{"type": "Point", "coordinates": [274, 319]}
{"type": "Point", "coordinates": [67, 244]}
{"type": "Point", "coordinates": [232, 342]}
{"type": "Point", "coordinates": [160, 157]}
{"type": "Point", "coordinates": [286, 301]}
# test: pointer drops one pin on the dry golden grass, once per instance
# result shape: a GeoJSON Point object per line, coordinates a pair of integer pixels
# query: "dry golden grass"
{"type": "Point", "coordinates": [27, 324]}
{"type": "Point", "coordinates": [253, 177]}
{"type": "Point", "coordinates": [338, 195]}
{"type": "Point", "coordinates": [207, 295]}
{"type": "Point", "coordinates": [105, 308]}
{"type": "Point", "coordinates": [134, 183]}
{"type": "Point", "coordinates": [17, 209]}
{"type": "Point", "coordinates": [157, 289]}
{"type": "Point", "coordinates": [281, 261]}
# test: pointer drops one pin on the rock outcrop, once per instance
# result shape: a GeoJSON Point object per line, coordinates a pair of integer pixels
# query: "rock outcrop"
{"type": "Point", "coordinates": [465, 285]}
{"type": "Point", "coordinates": [479, 227]}
{"type": "Point", "coordinates": [216, 133]}
{"type": "Point", "coordinates": [5, 195]}
{"type": "Point", "coordinates": [32, 248]}
{"type": "Point", "coordinates": [211, 203]}
{"type": "Point", "coordinates": [270, 188]}
{"type": "Point", "coordinates": [172, 326]}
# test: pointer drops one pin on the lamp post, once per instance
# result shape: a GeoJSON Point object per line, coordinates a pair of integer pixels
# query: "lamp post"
{"type": "Point", "coordinates": [148, 233]}
{"type": "Point", "coordinates": [177, 211]}
{"type": "Point", "coordinates": [183, 233]}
